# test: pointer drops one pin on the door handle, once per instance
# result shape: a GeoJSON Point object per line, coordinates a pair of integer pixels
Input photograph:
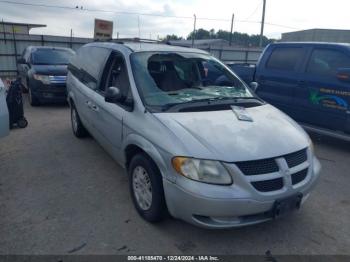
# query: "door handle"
{"type": "Point", "coordinates": [95, 108]}
{"type": "Point", "coordinates": [88, 104]}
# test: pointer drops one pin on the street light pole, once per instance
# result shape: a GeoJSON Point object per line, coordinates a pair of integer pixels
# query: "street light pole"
{"type": "Point", "coordinates": [262, 25]}
{"type": "Point", "coordinates": [233, 17]}
{"type": "Point", "coordinates": [194, 29]}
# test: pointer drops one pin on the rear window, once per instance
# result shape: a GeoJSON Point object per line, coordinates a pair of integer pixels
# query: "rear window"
{"type": "Point", "coordinates": [51, 56]}
{"type": "Point", "coordinates": [285, 58]}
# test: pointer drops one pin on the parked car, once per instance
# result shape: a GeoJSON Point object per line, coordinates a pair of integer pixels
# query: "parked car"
{"type": "Point", "coordinates": [245, 71]}
{"type": "Point", "coordinates": [204, 148]}
{"type": "Point", "coordinates": [4, 114]}
{"type": "Point", "coordinates": [44, 71]}
{"type": "Point", "coordinates": [308, 81]}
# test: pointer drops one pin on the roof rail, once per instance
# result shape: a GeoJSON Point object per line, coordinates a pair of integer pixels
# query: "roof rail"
{"type": "Point", "coordinates": [126, 40]}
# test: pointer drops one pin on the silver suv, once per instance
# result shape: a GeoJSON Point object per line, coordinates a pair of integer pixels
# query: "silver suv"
{"type": "Point", "coordinates": [196, 141]}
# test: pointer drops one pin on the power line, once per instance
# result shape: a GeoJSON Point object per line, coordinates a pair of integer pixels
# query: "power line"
{"type": "Point", "coordinates": [256, 9]}
{"type": "Point", "coordinates": [109, 11]}
{"type": "Point", "coordinates": [135, 13]}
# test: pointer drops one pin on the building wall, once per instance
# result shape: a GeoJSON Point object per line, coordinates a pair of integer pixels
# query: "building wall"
{"type": "Point", "coordinates": [318, 35]}
{"type": "Point", "coordinates": [17, 29]}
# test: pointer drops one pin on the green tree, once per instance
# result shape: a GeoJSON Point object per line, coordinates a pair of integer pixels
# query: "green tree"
{"type": "Point", "coordinates": [172, 37]}
{"type": "Point", "coordinates": [241, 39]}
{"type": "Point", "coordinates": [200, 34]}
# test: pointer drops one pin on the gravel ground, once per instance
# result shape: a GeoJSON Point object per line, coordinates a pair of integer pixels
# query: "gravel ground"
{"type": "Point", "coordinates": [62, 195]}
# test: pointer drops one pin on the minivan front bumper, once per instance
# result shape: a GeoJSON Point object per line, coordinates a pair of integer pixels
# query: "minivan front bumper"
{"type": "Point", "coordinates": [215, 206]}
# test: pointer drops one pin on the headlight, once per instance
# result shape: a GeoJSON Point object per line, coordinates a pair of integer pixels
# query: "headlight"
{"type": "Point", "coordinates": [206, 171]}
{"type": "Point", "coordinates": [45, 79]}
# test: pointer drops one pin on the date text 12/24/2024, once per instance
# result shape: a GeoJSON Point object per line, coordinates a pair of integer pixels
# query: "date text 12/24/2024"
{"type": "Point", "coordinates": [173, 258]}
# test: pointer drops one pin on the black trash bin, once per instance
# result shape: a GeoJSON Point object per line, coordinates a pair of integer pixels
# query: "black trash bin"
{"type": "Point", "coordinates": [14, 102]}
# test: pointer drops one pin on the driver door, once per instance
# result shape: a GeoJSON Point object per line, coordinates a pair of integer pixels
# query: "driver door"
{"type": "Point", "coordinates": [108, 119]}
{"type": "Point", "coordinates": [327, 100]}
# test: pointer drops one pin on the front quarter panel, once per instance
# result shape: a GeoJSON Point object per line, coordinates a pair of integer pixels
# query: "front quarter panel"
{"type": "Point", "coordinates": [158, 155]}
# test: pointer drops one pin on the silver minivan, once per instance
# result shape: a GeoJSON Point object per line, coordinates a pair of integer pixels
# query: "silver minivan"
{"type": "Point", "coordinates": [197, 143]}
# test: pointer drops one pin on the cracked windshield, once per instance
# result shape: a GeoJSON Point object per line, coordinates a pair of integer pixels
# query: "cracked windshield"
{"type": "Point", "coordinates": [178, 78]}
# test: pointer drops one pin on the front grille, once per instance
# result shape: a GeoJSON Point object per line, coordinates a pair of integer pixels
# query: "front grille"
{"type": "Point", "coordinates": [299, 176]}
{"type": "Point", "coordinates": [58, 79]}
{"type": "Point", "coordinates": [268, 185]}
{"type": "Point", "coordinates": [297, 158]}
{"type": "Point", "coordinates": [258, 167]}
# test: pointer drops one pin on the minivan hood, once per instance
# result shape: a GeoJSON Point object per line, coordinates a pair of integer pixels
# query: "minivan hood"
{"type": "Point", "coordinates": [221, 136]}
{"type": "Point", "coordinates": [50, 69]}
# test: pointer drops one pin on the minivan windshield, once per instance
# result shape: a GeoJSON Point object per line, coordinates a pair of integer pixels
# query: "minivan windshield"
{"type": "Point", "coordinates": [47, 56]}
{"type": "Point", "coordinates": [169, 78]}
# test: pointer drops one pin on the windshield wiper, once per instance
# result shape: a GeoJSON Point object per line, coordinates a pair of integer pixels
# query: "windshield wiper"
{"type": "Point", "coordinates": [211, 101]}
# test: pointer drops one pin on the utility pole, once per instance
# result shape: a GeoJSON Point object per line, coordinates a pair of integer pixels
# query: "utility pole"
{"type": "Point", "coordinates": [71, 38]}
{"type": "Point", "coordinates": [194, 29]}
{"type": "Point", "coordinates": [233, 17]}
{"type": "Point", "coordinates": [138, 23]}
{"type": "Point", "coordinates": [262, 24]}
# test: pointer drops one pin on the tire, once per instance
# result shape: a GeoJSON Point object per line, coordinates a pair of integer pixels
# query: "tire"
{"type": "Point", "coordinates": [33, 100]}
{"type": "Point", "coordinates": [77, 126]}
{"type": "Point", "coordinates": [145, 175]}
{"type": "Point", "coordinates": [22, 123]}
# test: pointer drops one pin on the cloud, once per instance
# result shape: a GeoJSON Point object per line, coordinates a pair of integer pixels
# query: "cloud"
{"type": "Point", "coordinates": [281, 16]}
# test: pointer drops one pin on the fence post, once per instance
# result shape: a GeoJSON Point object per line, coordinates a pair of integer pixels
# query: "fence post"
{"type": "Point", "coordinates": [246, 56]}
{"type": "Point", "coordinates": [3, 26]}
{"type": "Point", "coordinates": [15, 48]}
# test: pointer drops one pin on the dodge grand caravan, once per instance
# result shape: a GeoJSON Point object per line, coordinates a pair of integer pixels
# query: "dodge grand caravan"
{"type": "Point", "coordinates": [196, 141]}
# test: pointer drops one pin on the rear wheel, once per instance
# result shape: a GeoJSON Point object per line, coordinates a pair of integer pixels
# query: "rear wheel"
{"type": "Point", "coordinates": [146, 187]}
{"type": "Point", "coordinates": [77, 126]}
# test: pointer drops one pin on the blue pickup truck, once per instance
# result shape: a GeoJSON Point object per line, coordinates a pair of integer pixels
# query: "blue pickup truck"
{"type": "Point", "coordinates": [308, 81]}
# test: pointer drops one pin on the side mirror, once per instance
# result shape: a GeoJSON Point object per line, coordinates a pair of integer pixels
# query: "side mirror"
{"type": "Point", "coordinates": [114, 95]}
{"type": "Point", "coordinates": [254, 86]}
{"type": "Point", "coordinates": [343, 74]}
{"type": "Point", "coordinates": [21, 61]}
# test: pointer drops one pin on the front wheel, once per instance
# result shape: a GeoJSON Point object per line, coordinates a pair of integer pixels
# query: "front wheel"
{"type": "Point", "coordinates": [146, 187]}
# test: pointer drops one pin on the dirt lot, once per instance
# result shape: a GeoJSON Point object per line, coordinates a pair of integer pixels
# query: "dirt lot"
{"type": "Point", "coordinates": [61, 195]}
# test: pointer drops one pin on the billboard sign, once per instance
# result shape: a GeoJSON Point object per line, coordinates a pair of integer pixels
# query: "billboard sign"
{"type": "Point", "coordinates": [103, 29]}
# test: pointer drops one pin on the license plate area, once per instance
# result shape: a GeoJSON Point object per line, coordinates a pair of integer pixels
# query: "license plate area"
{"type": "Point", "coordinates": [286, 205]}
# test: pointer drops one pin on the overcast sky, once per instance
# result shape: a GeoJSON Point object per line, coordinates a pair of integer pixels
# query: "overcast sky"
{"type": "Point", "coordinates": [281, 16]}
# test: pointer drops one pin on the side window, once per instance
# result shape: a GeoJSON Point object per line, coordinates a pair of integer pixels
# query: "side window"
{"type": "Point", "coordinates": [91, 61]}
{"type": "Point", "coordinates": [326, 62]}
{"type": "Point", "coordinates": [285, 58]}
{"type": "Point", "coordinates": [116, 75]}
